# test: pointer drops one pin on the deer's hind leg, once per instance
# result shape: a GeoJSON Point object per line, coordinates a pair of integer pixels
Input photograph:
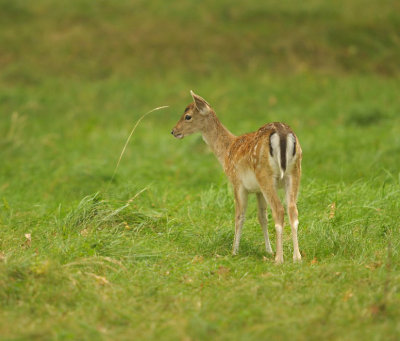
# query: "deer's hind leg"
{"type": "Point", "coordinates": [269, 190]}
{"type": "Point", "coordinates": [292, 184]}
{"type": "Point", "coordinates": [262, 218]}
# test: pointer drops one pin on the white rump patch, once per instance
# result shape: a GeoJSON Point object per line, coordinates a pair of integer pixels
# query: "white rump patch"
{"type": "Point", "coordinates": [276, 152]}
{"type": "Point", "coordinates": [290, 146]}
{"type": "Point", "coordinates": [275, 142]}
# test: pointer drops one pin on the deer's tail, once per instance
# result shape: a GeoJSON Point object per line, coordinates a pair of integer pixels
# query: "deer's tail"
{"type": "Point", "coordinates": [282, 148]}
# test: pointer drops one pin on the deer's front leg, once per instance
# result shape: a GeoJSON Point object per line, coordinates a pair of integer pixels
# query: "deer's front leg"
{"type": "Point", "coordinates": [240, 212]}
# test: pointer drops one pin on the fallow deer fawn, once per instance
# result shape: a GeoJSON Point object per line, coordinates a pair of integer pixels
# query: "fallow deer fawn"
{"type": "Point", "coordinates": [257, 162]}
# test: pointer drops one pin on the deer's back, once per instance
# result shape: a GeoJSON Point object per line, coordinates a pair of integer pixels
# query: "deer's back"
{"type": "Point", "coordinates": [251, 151]}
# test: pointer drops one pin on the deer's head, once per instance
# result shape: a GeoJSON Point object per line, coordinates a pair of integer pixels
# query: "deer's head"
{"type": "Point", "coordinates": [194, 118]}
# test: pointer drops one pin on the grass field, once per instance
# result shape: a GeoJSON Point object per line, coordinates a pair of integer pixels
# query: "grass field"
{"type": "Point", "coordinates": [146, 254]}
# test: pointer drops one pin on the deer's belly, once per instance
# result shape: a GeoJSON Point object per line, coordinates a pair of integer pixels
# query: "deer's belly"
{"type": "Point", "coordinates": [249, 181]}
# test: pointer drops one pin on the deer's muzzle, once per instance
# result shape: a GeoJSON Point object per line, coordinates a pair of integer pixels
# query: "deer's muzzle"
{"type": "Point", "coordinates": [176, 134]}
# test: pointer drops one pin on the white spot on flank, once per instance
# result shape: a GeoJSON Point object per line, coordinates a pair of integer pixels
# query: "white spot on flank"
{"type": "Point", "coordinates": [255, 149]}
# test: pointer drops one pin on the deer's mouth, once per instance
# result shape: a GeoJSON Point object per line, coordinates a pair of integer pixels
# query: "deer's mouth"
{"type": "Point", "coordinates": [178, 136]}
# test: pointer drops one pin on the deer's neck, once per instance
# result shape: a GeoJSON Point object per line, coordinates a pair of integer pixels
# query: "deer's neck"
{"type": "Point", "coordinates": [217, 137]}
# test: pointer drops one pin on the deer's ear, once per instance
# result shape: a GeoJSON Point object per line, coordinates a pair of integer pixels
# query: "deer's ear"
{"type": "Point", "coordinates": [201, 104]}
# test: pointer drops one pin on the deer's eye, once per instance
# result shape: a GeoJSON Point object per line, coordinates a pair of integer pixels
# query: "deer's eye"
{"type": "Point", "coordinates": [188, 117]}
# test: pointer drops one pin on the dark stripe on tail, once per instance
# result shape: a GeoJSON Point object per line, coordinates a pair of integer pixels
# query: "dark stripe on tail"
{"type": "Point", "coordinates": [283, 151]}
{"type": "Point", "coordinates": [294, 148]}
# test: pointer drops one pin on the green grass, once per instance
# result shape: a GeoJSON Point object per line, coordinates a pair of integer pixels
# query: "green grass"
{"type": "Point", "coordinates": [146, 254]}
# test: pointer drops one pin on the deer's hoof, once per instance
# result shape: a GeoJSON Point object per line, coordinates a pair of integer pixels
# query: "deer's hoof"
{"type": "Point", "coordinates": [297, 258]}
{"type": "Point", "coordinates": [269, 251]}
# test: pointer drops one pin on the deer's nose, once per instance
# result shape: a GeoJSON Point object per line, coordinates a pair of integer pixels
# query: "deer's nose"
{"type": "Point", "coordinates": [172, 132]}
